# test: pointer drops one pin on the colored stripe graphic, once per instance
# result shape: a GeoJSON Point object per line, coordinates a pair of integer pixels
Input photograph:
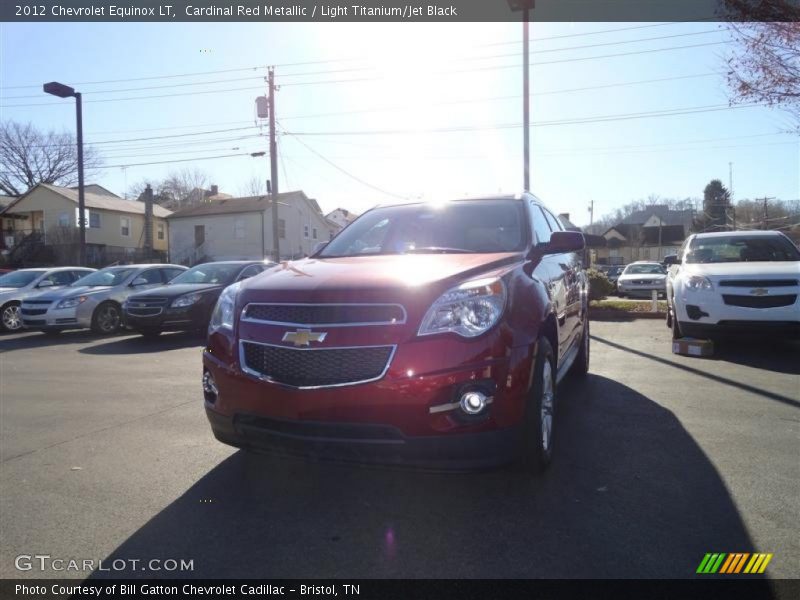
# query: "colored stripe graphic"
{"type": "Point", "coordinates": [729, 564]}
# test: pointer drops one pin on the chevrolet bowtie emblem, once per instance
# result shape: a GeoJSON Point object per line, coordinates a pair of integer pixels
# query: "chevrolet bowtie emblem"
{"type": "Point", "coordinates": [304, 337]}
{"type": "Point", "coordinates": [759, 292]}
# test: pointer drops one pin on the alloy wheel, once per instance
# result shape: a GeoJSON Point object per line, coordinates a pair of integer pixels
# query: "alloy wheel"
{"type": "Point", "coordinates": [547, 406]}
{"type": "Point", "coordinates": [12, 318]}
{"type": "Point", "coordinates": [108, 319]}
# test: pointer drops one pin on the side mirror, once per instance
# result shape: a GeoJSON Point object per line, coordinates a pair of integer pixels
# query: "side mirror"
{"type": "Point", "coordinates": [318, 247]}
{"type": "Point", "coordinates": [45, 283]}
{"type": "Point", "coordinates": [671, 259]}
{"type": "Point", "coordinates": [564, 241]}
{"type": "Point", "coordinates": [139, 281]}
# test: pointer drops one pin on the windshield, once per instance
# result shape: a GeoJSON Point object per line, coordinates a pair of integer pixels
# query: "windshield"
{"type": "Point", "coordinates": [18, 279]}
{"type": "Point", "coordinates": [772, 248]}
{"type": "Point", "coordinates": [460, 227]}
{"type": "Point", "coordinates": [210, 273]}
{"type": "Point", "coordinates": [653, 269]}
{"type": "Point", "coordinates": [104, 278]}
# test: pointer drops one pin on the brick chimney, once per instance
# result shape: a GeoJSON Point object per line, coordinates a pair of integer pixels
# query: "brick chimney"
{"type": "Point", "coordinates": [214, 190]}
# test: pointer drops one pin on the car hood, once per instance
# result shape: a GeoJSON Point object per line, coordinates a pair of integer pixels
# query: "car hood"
{"type": "Point", "coordinates": [363, 277]}
{"type": "Point", "coordinates": [644, 276]}
{"type": "Point", "coordinates": [179, 289]}
{"type": "Point", "coordinates": [70, 291]}
{"type": "Point", "coordinates": [755, 270]}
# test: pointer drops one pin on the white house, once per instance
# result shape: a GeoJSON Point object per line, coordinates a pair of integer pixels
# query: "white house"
{"type": "Point", "coordinates": [241, 228]}
{"type": "Point", "coordinates": [341, 216]}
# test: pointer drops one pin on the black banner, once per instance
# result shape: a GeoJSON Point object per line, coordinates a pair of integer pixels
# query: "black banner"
{"type": "Point", "coordinates": [396, 10]}
{"type": "Point", "coordinates": [732, 588]}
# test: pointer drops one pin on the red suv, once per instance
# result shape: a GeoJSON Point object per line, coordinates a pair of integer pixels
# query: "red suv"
{"type": "Point", "coordinates": [425, 334]}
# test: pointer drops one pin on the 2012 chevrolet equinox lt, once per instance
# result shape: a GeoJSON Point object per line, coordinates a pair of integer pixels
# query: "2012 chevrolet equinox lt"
{"type": "Point", "coordinates": [423, 334]}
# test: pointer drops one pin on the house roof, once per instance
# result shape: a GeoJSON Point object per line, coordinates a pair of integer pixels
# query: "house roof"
{"type": "Point", "coordinates": [5, 202]}
{"type": "Point", "coordinates": [96, 188]}
{"type": "Point", "coordinates": [663, 212]}
{"type": "Point", "coordinates": [236, 205]}
{"type": "Point", "coordinates": [98, 201]}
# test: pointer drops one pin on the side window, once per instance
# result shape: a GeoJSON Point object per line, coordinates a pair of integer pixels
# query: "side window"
{"type": "Point", "coordinates": [555, 224]}
{"type": "Point", "coordinates": [78, 274]}
{"type": "Point", "coordinates": [170, 274]}
{"type": "Point", "coordinates": [541, 229]}
{"type": "Point", "coordinates": [94, 220]}
{"type": "Point", "coordinates": [125, 226]}
{"type": "Point", "coordinates": [60, 278]}
{"type": "Point", "coordinates": [151, 276]}
{"type": "Point", "coordinates": [250, 271]}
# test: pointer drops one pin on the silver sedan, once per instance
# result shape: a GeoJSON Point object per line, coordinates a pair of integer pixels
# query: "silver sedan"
{"type": "Point", "coordinates": [18, 285]}
{"type": "Point", "coordinates": [94, 301]}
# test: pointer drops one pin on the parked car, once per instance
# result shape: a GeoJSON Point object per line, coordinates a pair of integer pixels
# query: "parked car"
{"type": "Point", "coordinates": [186, 303]}
{"type": "Point", "coordinates": [735, 282]}
{"type": "Point", "coordinates": [640, 278]}
{"type": "Point", "coordinates": [94, 301]}
{"type": "Point", "coordinates": [18, 285]}
{"type": "Point", "coordinates": [425, 334]}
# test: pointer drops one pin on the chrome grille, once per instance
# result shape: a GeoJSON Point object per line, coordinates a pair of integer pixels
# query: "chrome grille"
{"type": "Point", "coordinates": [760, 301]}
{"type": "Point", "coordinates": [146, 306]}
{"type": "Point", "coordinates": [318, 367]}
{"type": "Point", "coordinates": [32, 311]}
{"type": "Point", "coordinates": [326, 315]}
{"type": "Point", "coordinates": [756, 283]}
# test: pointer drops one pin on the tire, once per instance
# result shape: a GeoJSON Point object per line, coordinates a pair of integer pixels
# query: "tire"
{"type": "Point", "coordinates": [537, 444]}
{"type": "Point", "coordinates": [11, 317]}
{"type": "Point", "coordinates": [149, 334]}
{"type": "Point", "coordinates": [580, 367]}
{"type": "Point", "coordinates": [107, 319]}
{"type": "Point", "coordinates": [676, 328]}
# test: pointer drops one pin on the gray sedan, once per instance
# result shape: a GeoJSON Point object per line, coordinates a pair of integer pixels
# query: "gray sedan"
{"type": "Point", "coordinates": [18, 285]}
{"type": "Point", "coordinates": [94, 301]}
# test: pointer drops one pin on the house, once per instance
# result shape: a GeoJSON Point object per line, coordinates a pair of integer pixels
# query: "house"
{"type": "Point", "coordinates": [342, 217]}
{"type": "Point", "coordinates": [241, 228]}
{"type": "Point", "coordinates": [6, 223]}
{"type": "Point", "coordinates": [649, 234]}
{"type": "Point", "coordinates": [41, 227]}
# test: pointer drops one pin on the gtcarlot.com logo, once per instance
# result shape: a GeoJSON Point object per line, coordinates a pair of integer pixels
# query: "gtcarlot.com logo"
{"type": "Point", "coordinates": [46, 562]}
{"type": "Point", "coordinates": [734, 563]}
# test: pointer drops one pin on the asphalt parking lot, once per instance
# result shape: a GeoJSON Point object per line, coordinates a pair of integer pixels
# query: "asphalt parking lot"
{"type": "Point", "coordinates": [106, 454]}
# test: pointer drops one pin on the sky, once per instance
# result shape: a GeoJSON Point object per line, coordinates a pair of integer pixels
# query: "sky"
{"type": "Point", "coordinates": [369, 113]}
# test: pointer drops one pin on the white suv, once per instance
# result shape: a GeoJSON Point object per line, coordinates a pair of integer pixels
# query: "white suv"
{"type": "Point", "coordinates": [737, 281]}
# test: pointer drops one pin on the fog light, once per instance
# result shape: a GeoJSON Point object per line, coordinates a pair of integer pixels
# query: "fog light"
{"type": "Point", "coordinates": [473, 402]}
{"type": "Point", "coordinates": [210, 391]}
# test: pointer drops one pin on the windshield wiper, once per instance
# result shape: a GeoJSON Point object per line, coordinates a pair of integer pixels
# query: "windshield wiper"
{"type": "Point", "coordinates": [435, 249]}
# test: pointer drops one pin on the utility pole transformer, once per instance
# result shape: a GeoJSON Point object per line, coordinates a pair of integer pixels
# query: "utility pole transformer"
{"type": "Point", "coordinates": [273, 163]}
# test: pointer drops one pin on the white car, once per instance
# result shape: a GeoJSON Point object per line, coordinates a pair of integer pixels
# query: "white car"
{"type": "Point", "coordinates": [736, 281]}
{"type": "Point", "coordinates": [640, 278]}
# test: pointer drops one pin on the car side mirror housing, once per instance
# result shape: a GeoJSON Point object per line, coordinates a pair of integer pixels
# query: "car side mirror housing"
{"type": "Point", "coordinates": [671, 259]}
{"type": "Point", "coordinates": [139, 281]}
{"type": "Point", "coordinates": [563, 241]}
{"type": "Point", "coordinates": [45, 283]}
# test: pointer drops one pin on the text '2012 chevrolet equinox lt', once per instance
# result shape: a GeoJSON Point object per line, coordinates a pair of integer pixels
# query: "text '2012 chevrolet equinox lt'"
{"type": "Point", "coordinates": [424, 334]}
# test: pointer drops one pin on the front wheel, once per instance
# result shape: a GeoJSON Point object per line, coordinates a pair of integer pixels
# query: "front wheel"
{"type": "Point", "coordinates": [537, 444]}
{"type": "Point", "coordinates": [676, 328]}
{"type": "Point", "coordinates": [107, 319]}
{"type": "Point", "coordinates": [11, 317]}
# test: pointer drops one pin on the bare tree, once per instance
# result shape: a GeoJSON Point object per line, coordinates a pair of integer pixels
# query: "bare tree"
{"type": "Point", "coordinates": [255, 186]}
{"type": "Point", "coordinates": [29, 157]}
{"type": "Point", "coordinates": [178, 190]}
{"type": "Point", "coordinates": [765, 67]}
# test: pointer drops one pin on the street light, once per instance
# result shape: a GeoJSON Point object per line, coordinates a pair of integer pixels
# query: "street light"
{"type": "Point", "coordinates": [525, 6]}
{"type": "Point", "coordinates": [64, 91]}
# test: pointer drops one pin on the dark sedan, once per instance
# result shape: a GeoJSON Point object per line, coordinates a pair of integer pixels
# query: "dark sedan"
{"type": "Point", "coordinates": [186, 302]}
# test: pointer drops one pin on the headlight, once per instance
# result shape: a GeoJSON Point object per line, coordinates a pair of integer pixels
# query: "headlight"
{"type": "Point", "coordinates": [698, 282]}
{"type": "Point", "coordinates": [72, 302]}
{"type": "Point", "coordinates": [468, 310]}
{"type": "Point", "coordinates": [222, 317]}
{"type": "Point", "coordinates": [186, 300]}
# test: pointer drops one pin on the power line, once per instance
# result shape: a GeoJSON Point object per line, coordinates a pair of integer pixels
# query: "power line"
{"type": "Point", "coordinates": [345, 172]}
{"type": "Point", "coordinates": [164, 162]}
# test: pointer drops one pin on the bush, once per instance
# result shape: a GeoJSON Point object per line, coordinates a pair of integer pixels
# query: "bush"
{"type": "Point", "coordinates": [599, 285]}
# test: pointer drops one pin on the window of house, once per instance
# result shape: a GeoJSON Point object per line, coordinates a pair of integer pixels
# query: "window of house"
{"type": "Point", "coordinates": [94, 220]}
{"type": "Point", "coordinates": [281, 229]}
{"type": "Point", "coordinates": [125, 226]}
{"type": "Point", "coordinates": [305, 231]}
{"type": "Point", "coordinates": [160, 231]}
{"type": "Point", "coordinates": [63, 219]}
{"type": "Point", "coordinates": [239, 228]}
{"type": "Point", "coordinates": [314, 233]}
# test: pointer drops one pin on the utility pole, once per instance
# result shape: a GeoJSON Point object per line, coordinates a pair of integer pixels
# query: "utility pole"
{"type": "Point", "coordinates": [526, 111]}
{"type": "Point", "coordinates": [766, 212]}
{"type": "Point", "coordinates": [591, 212]}
{"type": "Point", "coordinates": [730, 179]}
{"type": "Point", "coordinates": [273, 163]}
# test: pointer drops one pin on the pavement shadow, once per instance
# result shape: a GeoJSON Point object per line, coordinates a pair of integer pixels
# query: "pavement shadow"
{"type": "Point", "coordinates": [37, 339]}
{"type": "Point", "coordinates": [779, 356]}
{"type": "Point", "coordinates": [630, 494]}
{"type": "Point", "coordinates": [137, 344]}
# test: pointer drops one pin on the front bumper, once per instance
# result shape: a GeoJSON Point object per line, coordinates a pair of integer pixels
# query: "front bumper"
{"type": "Point", "coordinates": [402, 418]}
{"type": "Point", "coordinates": [77, 317]}
{"type": "Point", "coordinates": [644, 291]}
{"type": "Point", "coordinates": [170, 319]}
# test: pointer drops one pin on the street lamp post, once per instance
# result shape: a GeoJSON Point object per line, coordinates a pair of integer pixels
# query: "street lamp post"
{"type": "Point", "coordinates": [525, 6]}
{"type": "Point", "coordinates": [64, 91]}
